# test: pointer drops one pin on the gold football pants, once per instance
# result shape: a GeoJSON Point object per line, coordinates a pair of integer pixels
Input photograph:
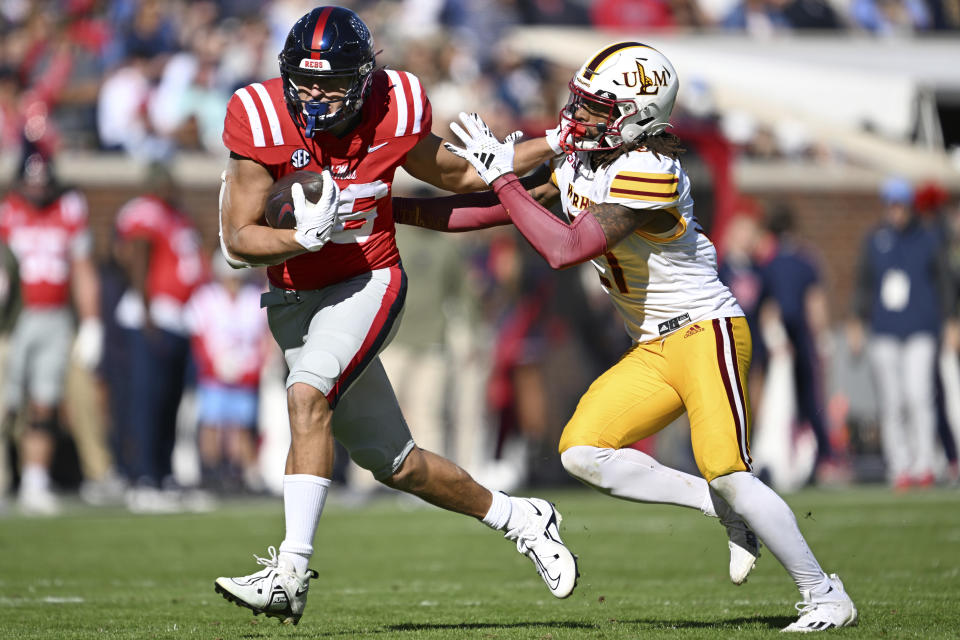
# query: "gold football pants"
{"type": "Point", "coordinates": [701, 368]}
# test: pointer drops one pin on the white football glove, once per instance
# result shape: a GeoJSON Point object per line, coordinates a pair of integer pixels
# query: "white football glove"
{"type": "Point", "coordinates": [88, 345]}
{"type": "Point", "coordinates": [552, 137]}
{"type": "Point", "coordinates": [315, 220]}
{"type": "Point", "coordinates": [489, 156]}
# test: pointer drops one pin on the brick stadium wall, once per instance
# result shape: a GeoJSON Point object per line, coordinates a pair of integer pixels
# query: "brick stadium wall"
{"type": "Point", "coordinates": [832, 225]}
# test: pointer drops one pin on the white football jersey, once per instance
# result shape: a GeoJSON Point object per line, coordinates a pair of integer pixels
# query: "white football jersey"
{"type": "Point", "coordinates": [658, 282]}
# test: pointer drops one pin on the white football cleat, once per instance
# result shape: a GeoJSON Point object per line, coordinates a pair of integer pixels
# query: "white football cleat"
{"type": "Point", "coordinates": [831, 610]}
{"type": "Point", "coordinates": [743, 543]}
{"type": "Point", "coordinates": [277, 591]}
{"type": "Point", "coordinates": [38, 501]}
{"type": "Point", "coordinates": [539, 539]}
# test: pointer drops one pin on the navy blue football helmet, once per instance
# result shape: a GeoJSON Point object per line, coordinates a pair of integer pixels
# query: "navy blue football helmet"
{"type": "Point", "coordinates": [328, 42]}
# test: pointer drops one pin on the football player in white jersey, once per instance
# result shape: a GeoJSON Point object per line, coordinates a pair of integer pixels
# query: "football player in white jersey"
{"type": "Point", "coordinates": [627, 207]}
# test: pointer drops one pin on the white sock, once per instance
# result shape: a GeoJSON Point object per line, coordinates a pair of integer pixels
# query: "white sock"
{"type": "Point", "coordinates": [633, 475]}
{"type": "Point", "coordinates": [774, 523]}
{"type": "Point", "coordinates": [500, 510]}
{"type": "Point", "coordinates": [303, 498]}
{"type": "Point", "coordinates": [35, 477]}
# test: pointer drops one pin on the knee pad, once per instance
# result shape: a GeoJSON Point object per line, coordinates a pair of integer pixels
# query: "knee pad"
{"type": "Point", "coordinates": [728, 485]}
{"type": "Point", "coordinates": [583, 463]}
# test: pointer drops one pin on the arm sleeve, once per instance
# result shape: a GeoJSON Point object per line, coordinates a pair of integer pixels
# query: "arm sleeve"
{"type": "Point", "coordinates": [465, 212]}
{"type": "Point", "coordinates": [561, 245]}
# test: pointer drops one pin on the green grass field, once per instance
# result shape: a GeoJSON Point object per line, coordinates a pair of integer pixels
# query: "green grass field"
{"type": "Point", "coordinates": [392, 571]}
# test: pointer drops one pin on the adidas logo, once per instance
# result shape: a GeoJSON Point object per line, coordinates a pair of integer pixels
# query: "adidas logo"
{"type": "Point", "coordinates": [694, 330]}
{"type": "Point", "coordinates": [486, 159]}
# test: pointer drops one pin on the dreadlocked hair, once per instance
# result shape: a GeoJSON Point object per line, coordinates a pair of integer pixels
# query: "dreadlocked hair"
{"type": "Point", "coordinates": [662, 144]}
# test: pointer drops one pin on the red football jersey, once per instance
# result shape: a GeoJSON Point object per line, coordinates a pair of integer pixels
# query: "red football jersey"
{"type": "Point", "coordinates": [45, 242]}
{"type": "Point", "coordinates": [177, 263]}
{"type": "Point", "coordinates": [395, 116]}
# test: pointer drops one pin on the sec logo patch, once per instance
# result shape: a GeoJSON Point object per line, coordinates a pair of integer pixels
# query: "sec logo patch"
{"type": "Point", "coordinates": [300, 158]}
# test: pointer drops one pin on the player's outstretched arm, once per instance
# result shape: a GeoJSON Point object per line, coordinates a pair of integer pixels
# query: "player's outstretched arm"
{"type": "Point", "coordinates": [561, 244]}
{"type": "Point", "coordinates": [469, 211]}
{"type": "Point", "coordinates": [244, 240]}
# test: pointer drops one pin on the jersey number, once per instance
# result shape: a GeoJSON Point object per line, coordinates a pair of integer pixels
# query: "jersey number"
{"type": "Point", "coordinates": [354, 232]}
{"type": "Point", "coordinates": [617, 271]}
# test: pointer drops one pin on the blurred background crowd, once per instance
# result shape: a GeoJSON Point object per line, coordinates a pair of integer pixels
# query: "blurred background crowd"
{"type": "Point", "coordinates": [137, 367]}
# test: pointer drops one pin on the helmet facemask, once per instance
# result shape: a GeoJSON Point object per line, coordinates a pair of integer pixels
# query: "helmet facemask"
{"type": "Point", "coordinates": [607, 136]}
{"type": "Point", "coordinates": [319, 115]}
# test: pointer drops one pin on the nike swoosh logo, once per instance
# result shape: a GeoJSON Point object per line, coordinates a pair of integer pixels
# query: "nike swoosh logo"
{"type": "Point", "coordinates": [553, 582]}
{"type": "Point", "coordinates": [373, 148]}
{"type": "Point", "coordinates": [539, 513]}
{"type": "Point", "coordinates": [300, 592]}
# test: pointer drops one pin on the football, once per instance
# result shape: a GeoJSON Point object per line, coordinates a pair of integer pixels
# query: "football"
{"type": "Point", "coordinates": [278, 210]}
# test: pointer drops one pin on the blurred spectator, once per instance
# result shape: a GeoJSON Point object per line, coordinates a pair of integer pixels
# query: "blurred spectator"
{"type": "Point", "coordinates": [950, 366]}
{"type": "Point", "coordinates": [899, 296]}
{"type": "Point", "coordinates": [150, 31]}
{"type": "Point", "coordinates": [45, 225]}
{"type": "Point", "coordinates": [230, 340]}
{"type": "Point", "coordinates": [793, 286]}
{"type": "Point", "coordinates": [632, 14]}
{"type": "Point", "coordinates": [247, 55]}
{"type": "Point", "coordinates": [10, 303]}
{"type": "Point", "coordinates": [123, 115]}
{"type": "Point", "coordinates": [740, 272]}
{"type": "Point", "coordinates": [764, 17]}
{"type": "Point", "coordinates": [931, 201]}
{"type": "Point", "coordinates": [11, 124]}
{"type": "Point", "coordinates": [417, 360]}
{"type": "Point", "coordinates": [757, 17]}
{"type": "Point", "coordinates": [891, 17]}
{"type": "Point", "coordinates": [160, 253]}
{"type": "Point", "coordinates": [189, 103]}
{"type": "Point", "coordinates": [516, 304]}
{"type": "Point", "coordinates": [554, 12]}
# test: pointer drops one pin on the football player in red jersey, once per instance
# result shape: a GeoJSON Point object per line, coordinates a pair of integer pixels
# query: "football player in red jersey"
{"type": "Point", "coordinates": [45, 227]}
{"type": "Point", "coordinates": [337, 288]}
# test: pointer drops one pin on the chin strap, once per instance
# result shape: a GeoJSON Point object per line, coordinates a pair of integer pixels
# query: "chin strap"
{"type": "Point", "coordinates": [312, 111]}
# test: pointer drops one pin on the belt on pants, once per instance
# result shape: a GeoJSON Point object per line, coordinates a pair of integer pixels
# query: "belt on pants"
{"type": "Point", "coordinates": [276, 297]}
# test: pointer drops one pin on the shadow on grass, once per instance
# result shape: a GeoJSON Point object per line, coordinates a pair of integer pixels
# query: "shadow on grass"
{"type": "Point", "coordinates": [773, 622]}
{"type": "Point", "coordinates": [641, 624]}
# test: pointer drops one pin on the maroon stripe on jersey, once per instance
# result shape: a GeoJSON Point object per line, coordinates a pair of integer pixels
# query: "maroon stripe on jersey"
{"type": "Point", "coordinates": [617, 271]}
{"type": "Point", "coordinates": [633, 192]}
{"type": "Point", "coordinates": [317, 40]}
{"type": "Point", "coordinates": [740, 394]}
{"type": "Point", "coordinates": [722, 363]}
{"type": "Point", "coordinates": [620, 176]}
{"type": "Point", "coordinates": [380, 329]}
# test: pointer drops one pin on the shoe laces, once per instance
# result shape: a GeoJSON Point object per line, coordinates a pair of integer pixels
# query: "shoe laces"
{"type": "Point", "coordinates": [273, 562]}
{"type": "Point", "coordinates": [805, 606]}
{"type": "Point", "coordinates": [524, 535]}
{"type": "Point", "coordinates": [809, 604]}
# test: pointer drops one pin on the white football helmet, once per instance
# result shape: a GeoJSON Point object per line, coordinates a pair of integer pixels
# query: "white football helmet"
{"type": "Point", "coordinates": [634, 84]}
